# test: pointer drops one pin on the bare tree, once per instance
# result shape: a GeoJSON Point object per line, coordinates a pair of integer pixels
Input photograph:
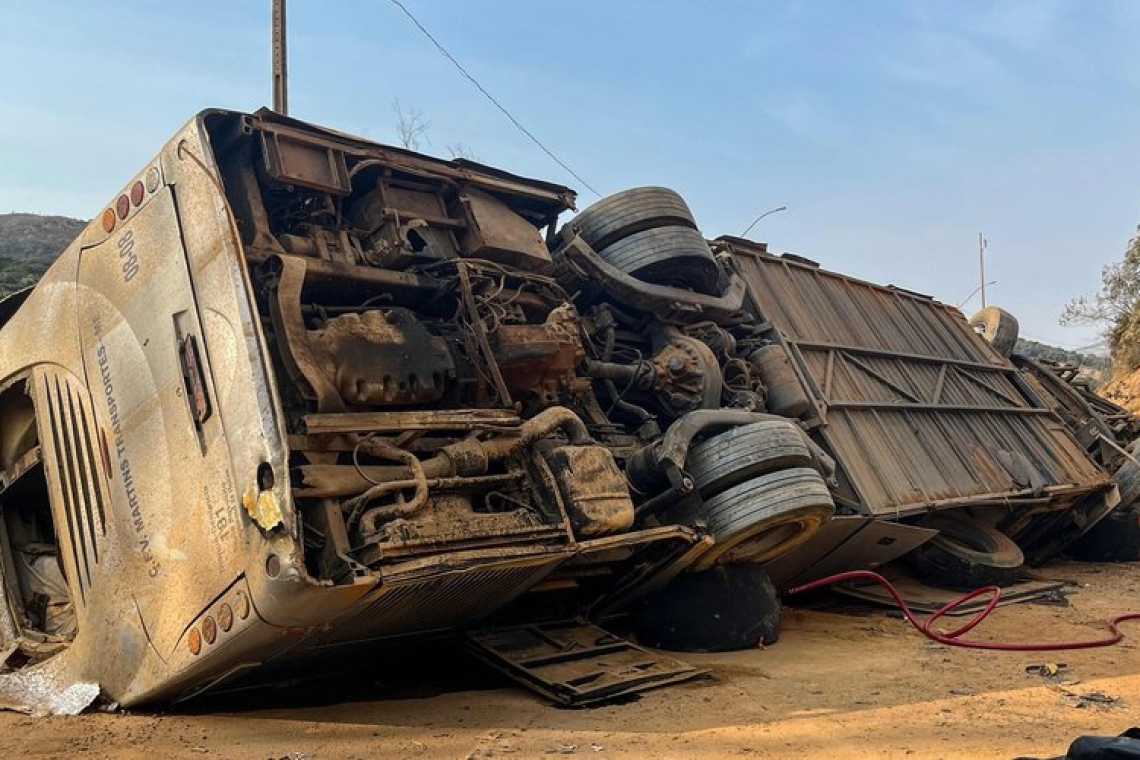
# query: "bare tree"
{"type": "Point", "coordinates": [459, 150]}
{"type": "Point", "coordinates": [411, 127]}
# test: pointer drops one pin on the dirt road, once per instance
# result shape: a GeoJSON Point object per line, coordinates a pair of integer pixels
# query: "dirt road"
{"type": "Point", "coordinates": [842, 682]}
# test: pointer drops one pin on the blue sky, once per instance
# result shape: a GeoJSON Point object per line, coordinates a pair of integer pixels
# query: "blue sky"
{"type": "Point", "coordinates": [893, 130]}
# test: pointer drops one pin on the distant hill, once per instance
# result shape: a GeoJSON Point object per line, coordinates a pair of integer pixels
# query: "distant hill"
{"type": "Point", "coordinates": [1037, 350]}
{"type": "Point", "coordinates": [29, 243]}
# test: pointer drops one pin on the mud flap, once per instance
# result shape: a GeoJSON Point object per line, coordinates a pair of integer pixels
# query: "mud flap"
{"type": "Point", "coordinates": [575, 664]}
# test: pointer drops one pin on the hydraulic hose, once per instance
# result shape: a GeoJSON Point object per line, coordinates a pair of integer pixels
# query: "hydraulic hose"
{"type": "Point", "coordinates": [467, 458]}
{"type": "Point", "coordinates": [953, 638]}
{"type": "Point", "coordinates": [419, 481]}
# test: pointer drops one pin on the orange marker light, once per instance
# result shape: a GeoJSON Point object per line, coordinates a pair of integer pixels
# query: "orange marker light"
{"type": "Point", "coordinates": [108, 220]}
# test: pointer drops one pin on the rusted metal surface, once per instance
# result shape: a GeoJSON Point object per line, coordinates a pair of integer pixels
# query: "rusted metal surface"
{"type": "Point", "coordinates": [581, 266]}
{"type": "Point", "coordinates": [331, 396]}
{"type": "Point", "coordinates": [420, 420]}
{"type": "Point", "coordinates": [537, 199]}
{"type": "Point", "coordinates": [306, 392]}
{"type": "Point", "coordinates": [848, 542]}
{"type": "Point", "coordinates": [576, 664]}
{"type": "Point", "coordinates": [433, 601]}
{"type": "Point", "coordinates": [920, 412]}
{"type": "Point", "coordinates": [1100, 426]}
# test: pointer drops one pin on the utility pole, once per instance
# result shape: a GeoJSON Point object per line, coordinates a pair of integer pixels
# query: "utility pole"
{"type": "Point", "coordinates": [982, 266]}
{"type": "Point", "coordinates": [280, 60]}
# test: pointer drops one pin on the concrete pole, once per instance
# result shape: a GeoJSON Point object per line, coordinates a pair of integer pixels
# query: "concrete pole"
{"type": "Point", "coordinates": [280, 60]}
{"type": "Point", "coordinates": [982, 266]}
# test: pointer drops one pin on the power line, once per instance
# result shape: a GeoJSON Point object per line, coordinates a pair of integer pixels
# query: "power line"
{"type": "Point", "coordinates": [491, 97]}
{"type": "Point", "coordinates": [1065, 344]}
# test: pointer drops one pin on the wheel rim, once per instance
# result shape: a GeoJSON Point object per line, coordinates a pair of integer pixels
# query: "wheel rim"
{"type": "Point", "coordinates": [763, 543]}
{"type": "Point", "coordinates": [755, 548]}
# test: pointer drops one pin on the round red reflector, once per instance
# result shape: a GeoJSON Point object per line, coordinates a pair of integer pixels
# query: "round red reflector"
{"type": "Point", "coordinates": [209, 630]}
{"type": "Point", "coordinates": [242, 604]}
{"type": "Point", "coordinates": [123, 206]}
{"type": "Point", "coordinates": [137, 192]}
{"type": "Point", "coordinates": [108, 220]}
{"type": "Point", "coordinates": [226, 617]}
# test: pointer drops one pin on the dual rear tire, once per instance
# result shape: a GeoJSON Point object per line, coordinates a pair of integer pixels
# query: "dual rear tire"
{"type": "Point", "coordinates": [759, 497]}
{"type": "Point", "coordinates": [649, 233]}
{"type": "Point", "coordinates": [759, 494]}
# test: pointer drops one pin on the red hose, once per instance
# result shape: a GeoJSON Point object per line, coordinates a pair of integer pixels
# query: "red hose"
{"type": "Point", "coordinates": [951, 638]}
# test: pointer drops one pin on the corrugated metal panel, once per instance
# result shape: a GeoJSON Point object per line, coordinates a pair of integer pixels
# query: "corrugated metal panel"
{"type": "Point", "coordinates": [919, 411]}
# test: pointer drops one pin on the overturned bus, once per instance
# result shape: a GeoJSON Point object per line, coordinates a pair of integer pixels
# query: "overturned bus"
{"type": "Point", "coordinates": [294, 393]}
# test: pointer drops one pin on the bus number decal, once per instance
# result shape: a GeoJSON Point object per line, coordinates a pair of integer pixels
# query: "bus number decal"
{"type": "Point", "coordinates": [127, 256]}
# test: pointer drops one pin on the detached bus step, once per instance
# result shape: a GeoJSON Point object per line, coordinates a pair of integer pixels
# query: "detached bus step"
{"type": "Point", "coordinates": [575, 663]}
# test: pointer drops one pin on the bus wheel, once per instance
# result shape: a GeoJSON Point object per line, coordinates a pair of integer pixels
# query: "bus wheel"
{"type": "Point", "coordinates": [997, 326]}
{"type": "Point", "coordinates": [966, 554]}
{"type": "Point", "coordinates": [746, 452]}
{"type": "Point", "coordinates": [719, 610]}
{"type": "Point", "coordinates": [1116, 538]}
